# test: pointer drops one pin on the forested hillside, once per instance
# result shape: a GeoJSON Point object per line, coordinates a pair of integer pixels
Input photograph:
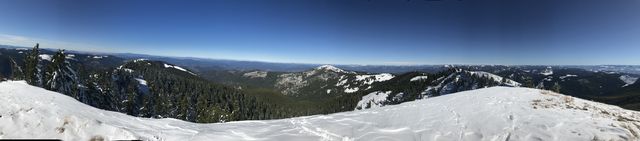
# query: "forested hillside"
{"type": "Point", "coordinates": [148, 88]}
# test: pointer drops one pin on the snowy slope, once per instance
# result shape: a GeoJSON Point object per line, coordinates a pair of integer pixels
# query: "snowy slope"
{"type": "Point", "coordinates": [497, 113]}
{"type": "Point", "coordinates": [178, 68]}
{"type": "Point", "coordinates": [628, 80]}
{"type": "Point", "coordinates": [373, 100]}
{"type": "Point", "coordinates": [508, 82]}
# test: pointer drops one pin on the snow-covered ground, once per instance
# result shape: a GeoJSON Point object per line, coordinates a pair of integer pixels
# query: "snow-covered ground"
{"type": "Point", "coordinates": [369, 79]}
{"type": "Point", "coordinates": [373, 100]}
{"type": "Point", "coordinates": [548, 71]}
{"type": "Point", "coordinates": [45, 57]}
{"type": "Point", "coordinates": [330, 68]}
{"type": "Point", "coordinates": [418, 78]}
{"type": "Point", "coordinates": [497, 113]}
{"type": "Point", "coordinates": [567, 76]}
{"type": "Point", "coordinates": [497, 78]}
{"type": "Point", "coordinates": [178, 68]}
{"type": "Point", "coordinates": [628, 80]}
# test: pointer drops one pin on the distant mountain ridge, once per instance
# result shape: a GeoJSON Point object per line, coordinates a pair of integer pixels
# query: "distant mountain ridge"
{"type": "Point", "coordinates": [160, 89]}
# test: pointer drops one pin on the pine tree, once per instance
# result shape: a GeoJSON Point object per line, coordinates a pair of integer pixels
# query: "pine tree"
{"type": "Point", "coordinates": [556, 87]}
{"type": "Point", "coordinates": [528, 82]}
{"type": "Point", "coordinates": [31, 66]}
{"type": "Point", "coordinates": [60, 77]}
{"type": "Point", "coordinates": [16, 71]}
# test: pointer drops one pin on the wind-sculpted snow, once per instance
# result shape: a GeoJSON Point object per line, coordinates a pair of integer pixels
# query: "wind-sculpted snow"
{"type": "Point", "coordinates": [497, 113]}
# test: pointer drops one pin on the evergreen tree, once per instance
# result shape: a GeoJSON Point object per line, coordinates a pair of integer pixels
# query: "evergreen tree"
{"type": "Point", "coordinates": [16, 71]}
{"type": "Point", "coordinates": [529, 83]}
{"type": "Point", "coordinates": [556, 87]}
{"type": "Point", "coordinates": [61, 77]}
{"type": "Point", "coordinates": [32, 72]}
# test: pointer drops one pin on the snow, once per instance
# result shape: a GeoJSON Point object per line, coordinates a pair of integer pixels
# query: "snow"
{"type": "Point", "coordinates": [290, 83]}
{"type": "Point", "coordinates": [138, 60]}
{"type": "Point", "coordinates": [99, 57]}
{"type": "Point", "coordinates": [547, 71]}
{"type": "Point", "coordinates": [628, 80]}
{"type": "Point", "coordinates": [362, 80]}
{"type": "Point", "coordinates": [373, 100]}
{"type": "Point", "coordinates": [351, 90]}
{"type": "Point", "coordinates": [325, 68]}
{"type": "Point", "coordinates": [568, 75]}
{"type": "Point", "coordinates": [128, 70]}
{"type": "Point", "coordinates": [495, 77]}
{"type": "Point", "coordinates": [369, 79]}
{"type": "Point", "coordinates": [178, 68]}
{"type": "Point", "coordinates": [496, 113]}
{"type": "Point", "coordinates": [141, 81]}
{"type": "Point", "coordinates": [418, 78]}
{"type": "Point", "coordinates": [342, 81]}
{"type": "Point", "coordinates": [45, 57]}
{"type": "Point", "coordinates": [70, 56]}
{"type": "Point", "coordinates": [330, 68]}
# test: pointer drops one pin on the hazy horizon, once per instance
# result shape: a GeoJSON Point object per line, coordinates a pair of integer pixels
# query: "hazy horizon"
{"type": "Point", "coordinates": [188, 57]}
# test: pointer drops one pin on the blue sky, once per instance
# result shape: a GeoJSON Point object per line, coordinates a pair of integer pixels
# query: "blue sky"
{"type": "Point", "coordinates": [389, 32]}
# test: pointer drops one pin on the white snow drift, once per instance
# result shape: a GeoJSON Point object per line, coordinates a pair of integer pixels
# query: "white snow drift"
{"type": "Point", "coordinates": [178, 68]}
{"type": "Point", "coordinates": [497, 113]}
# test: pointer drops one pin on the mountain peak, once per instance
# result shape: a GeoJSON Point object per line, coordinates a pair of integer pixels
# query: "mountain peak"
{"type": "Point", "coordinates": [330, 68]}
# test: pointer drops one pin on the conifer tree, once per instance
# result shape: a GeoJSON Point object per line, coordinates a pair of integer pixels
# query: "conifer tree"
{"type": "Point", "coordinates": [16, 71]}
{"type": "Point", "coordinates": [31, 66]}
{"type": "Point", "coordinates": [556, 87]}
{"type": "Point", "coordinates": [60, 77]}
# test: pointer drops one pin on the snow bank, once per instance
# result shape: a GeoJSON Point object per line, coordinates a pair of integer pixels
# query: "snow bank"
{"type": "Point", "coordinates": [70, 56]}
{"type": "Point", "coordinates": [373, 100]}
{"type": "Point", "coordinates": [178, 68]}
{"type": "Point", "coordinates": [141, 81]}
{"type": "Point", "coordinates": [497, 113]}
{"type": "Point", "coordinates": [495, 77]}
{"type": "Point", "coordinates": [99, 57]}
{"type": "Point", "coordinates": [548, 71]}
{"type": "Point", "coordinates": [418, 78]}
{"type": "Point", "coordinates": [351, 90]}
{"type": "Point", "coordinates": [45, 57]}
{"type": "Point", "coordinates": [568, 75]}
{"type": "Point", "coordinates": [369, 79]}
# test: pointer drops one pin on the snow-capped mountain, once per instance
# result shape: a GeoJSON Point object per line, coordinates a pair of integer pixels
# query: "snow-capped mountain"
{"type": "Point", "coordinates": [295, 83]}
{"type": "Point", "coordinates": [149, 88]}
{"type": "Point", "coordinates": [496, 113]}
{"type": "Point", "coordinates": [320, 81]}
{"type": "Point", "coordinates": [456, 80]}
{"type": "Point", "coordinates": [463, 80]}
